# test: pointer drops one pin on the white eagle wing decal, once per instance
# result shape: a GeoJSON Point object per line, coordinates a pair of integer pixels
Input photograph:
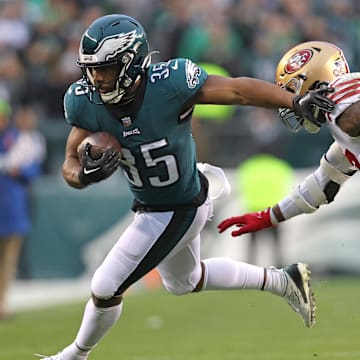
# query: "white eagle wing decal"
{"type": "Point", "coordinates": [192, 74]}
{"type": "Point", "coordinates": [110, 46]}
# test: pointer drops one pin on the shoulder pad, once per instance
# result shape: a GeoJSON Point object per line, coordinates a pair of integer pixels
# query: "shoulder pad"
{"type": "Point", "coordinates": [183, 76]}
{"type": "Point", "coordinates": [73, 101]}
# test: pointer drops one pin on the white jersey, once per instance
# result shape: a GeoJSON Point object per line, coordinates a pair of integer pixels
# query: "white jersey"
{"type": "Point", "coordinates": [347, 92]}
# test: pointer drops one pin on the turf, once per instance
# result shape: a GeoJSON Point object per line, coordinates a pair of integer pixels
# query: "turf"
{"type": "Point", "coordinates": [208, 326]}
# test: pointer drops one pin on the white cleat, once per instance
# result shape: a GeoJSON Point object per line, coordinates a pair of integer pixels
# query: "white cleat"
{"type": "Point", "coordinates": [66, 354]}
{"type": "Point", "coordinates": [53, 357]}
{"type": "Point", "coordinates": [299, 294]}
{"type": "Point", "coordinates": [59, 356]}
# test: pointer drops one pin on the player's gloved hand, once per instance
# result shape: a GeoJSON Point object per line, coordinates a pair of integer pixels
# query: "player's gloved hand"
{"type": "Point", "coordinates": [307, 105]}
{"type": "Point", "coordinates": [247, 223]}
{"type": "Point", "coordinates": [99, 169]}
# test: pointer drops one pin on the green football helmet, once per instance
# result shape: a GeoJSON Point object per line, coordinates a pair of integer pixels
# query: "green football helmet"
{"type": "Point", "coordinates": [114, 39]}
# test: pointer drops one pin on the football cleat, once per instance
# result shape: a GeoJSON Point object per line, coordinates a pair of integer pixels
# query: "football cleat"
{"type": "Point", "coordinates": [58, 356]}
{"type": "Point", "coordinates": [70, 352]}
{"type": "Point", "coordinates": [53, 357]}
{"type": "Point", "coordinates": [299, 294]}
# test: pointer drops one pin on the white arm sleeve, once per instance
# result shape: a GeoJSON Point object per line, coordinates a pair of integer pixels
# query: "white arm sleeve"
{"type": "Point", "coordinates": [334, 169]}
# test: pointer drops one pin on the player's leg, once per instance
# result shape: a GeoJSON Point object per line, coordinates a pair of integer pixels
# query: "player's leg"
{"type": "Point", "coordinates": [9, 254]}
{"type": "Point", "coordinates": [292, 282]}
{"type": "Point", "coordinates": [149, 238]}
{"type": "Point", "coordinates": [183, 272]}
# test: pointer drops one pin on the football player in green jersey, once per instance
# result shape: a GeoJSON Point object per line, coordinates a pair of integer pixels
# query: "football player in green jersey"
{"type": "Point", "coordinates": [148, 108]}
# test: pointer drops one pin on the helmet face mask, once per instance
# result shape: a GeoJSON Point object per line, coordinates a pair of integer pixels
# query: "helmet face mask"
{"type": "Point", "coordinates": [109, 40]}
{"type": "Point", "coordinates": [304, 67]}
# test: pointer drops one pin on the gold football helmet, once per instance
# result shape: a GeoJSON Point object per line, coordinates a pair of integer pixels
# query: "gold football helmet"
{"type": "Point", "coordinates": [304, 67]}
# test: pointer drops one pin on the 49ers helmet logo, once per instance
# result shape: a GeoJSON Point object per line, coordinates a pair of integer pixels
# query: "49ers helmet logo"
{"type": "Point", "coordinates": [298, 60]}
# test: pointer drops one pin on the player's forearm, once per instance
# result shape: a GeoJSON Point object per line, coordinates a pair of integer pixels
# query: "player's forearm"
{"type": "Point", "coordinates": [286, 209]}
{"type": "Point", "coordinates": [70, 171]}
{"type": "Point", "coordinates": [262, 93]}
{"type": "Point", "coordinates": [305, 198]}
{"type": "Point", "coordinates": [317, 189]}
{"type": "Point", "coordinates": [243, 91]}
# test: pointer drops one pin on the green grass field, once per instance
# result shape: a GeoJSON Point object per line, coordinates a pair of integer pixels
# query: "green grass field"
{"type": "Point", "coordinates": [239, 325]}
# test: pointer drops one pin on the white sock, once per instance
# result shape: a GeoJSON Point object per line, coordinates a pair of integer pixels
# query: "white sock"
{"type": "Point", "coordinates": [95, 324]}
{"type": "Point", "coordinates": [275, 282]}
{"type": "Point", "coordinates": [72, 352]}
{"type": "Point", "coordinates": [225, 273]}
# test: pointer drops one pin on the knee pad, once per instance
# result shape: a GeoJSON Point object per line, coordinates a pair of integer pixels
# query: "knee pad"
{"type": "Point", "coordinates": [182, 284]}
{"type": "Point", "coordinates": [102, 286]}
{"type": "Point", "coordinates": [178, 288]}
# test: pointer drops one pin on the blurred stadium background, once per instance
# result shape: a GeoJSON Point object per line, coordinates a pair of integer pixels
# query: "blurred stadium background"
{"type": "Point", "coordinates": [72, 230]}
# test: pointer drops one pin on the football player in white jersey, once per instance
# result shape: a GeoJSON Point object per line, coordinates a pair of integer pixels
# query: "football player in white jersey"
{"type": "Point", "coordinates": [307, 66]}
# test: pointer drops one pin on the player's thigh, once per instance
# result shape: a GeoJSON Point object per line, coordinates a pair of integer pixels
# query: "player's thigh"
{"type": "Point", "coordinates": [181, 268]}
{"type": "Point", "coordinates": [181, 271]}
{"type": "Point", "coordinates": [127, 261]}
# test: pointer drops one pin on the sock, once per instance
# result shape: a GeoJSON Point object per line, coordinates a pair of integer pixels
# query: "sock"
{"type": "Point", "coordinates": [225, 273]}
{"type": "Point", "coordinates": [275, 282]}
{"type": "Point", "coordinates": [72, 352]}
{"type": "Point", "coordinates": [95, 324]}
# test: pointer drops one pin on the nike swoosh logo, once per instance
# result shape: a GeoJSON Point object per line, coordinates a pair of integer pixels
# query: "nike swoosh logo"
{"type": "Point", "coordinates": [90, 171]}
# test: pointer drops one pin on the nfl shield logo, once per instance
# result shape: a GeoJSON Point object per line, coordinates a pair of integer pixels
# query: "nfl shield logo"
{"type": "Point", "coordinates": [126, 121]}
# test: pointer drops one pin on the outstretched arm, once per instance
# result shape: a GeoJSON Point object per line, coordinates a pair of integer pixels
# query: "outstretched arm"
{"type": "Point", "coordinates": [243, 91]}
{"type": "Point", "coordinates": [317, 189]}
{"type": "Point", "coordinates": [256, 92]}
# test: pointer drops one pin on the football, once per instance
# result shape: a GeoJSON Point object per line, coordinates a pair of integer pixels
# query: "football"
{"type": "Point", "coordinates": [100, 142]}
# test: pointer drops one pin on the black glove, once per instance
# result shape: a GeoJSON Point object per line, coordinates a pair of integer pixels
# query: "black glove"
{"type": "Point", "coordinates": [100, 169]}
{"type": "Point", "coordinates": [307, 105]}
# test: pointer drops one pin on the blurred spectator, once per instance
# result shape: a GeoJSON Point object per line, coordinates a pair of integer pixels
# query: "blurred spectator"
{"type": "Point", "coordinates": [12, 76]}
{"type": "Point", "coordinates": [14, 29]}
{"type": "Point", "coordinates": [211, 38]}
{"type": "Point", "coordinates": [274, 34]}
{"type": "Point", "coordinates": [169, 22]}
{"type": "Point", "coordinates": [22, 152]}
{"type": "Point", "coordinates": [343, 30]}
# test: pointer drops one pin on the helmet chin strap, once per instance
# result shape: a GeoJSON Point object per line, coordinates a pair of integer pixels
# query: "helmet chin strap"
{"type": "Point", "coordinates": [114, 96]}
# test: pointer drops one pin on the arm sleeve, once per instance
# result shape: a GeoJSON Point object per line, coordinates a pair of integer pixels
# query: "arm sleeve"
{"type": "Point", "coordinates": [321, 186]}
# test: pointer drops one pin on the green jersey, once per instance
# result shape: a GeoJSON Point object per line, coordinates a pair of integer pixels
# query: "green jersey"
{"type": "Point", "coordinates": [157, 144]}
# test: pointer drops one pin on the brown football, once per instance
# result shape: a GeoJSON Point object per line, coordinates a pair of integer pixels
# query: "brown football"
{"type": "Point", "coordinates": [100, 142]}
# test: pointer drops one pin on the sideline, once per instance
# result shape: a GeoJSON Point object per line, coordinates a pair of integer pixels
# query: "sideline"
{"type": "Point", "coordinates": [35, 294]}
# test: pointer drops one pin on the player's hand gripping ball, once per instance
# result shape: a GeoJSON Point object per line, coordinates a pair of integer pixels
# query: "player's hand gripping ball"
{"type": "Point", "coordinates": [100, 142]}
{"type": "Point", "coordinates": [99, 155]}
